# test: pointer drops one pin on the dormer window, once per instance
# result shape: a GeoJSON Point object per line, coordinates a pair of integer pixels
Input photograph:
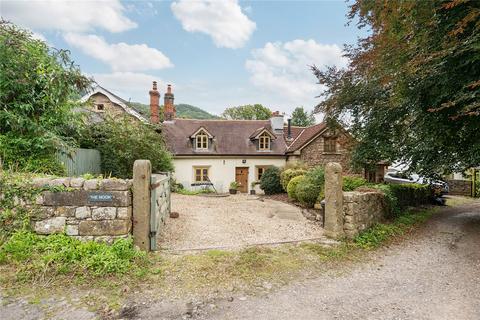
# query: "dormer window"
{"type": "Point", "coordinates": [201, 141]}
{"type": "Point", "coordinates": [264, 142]}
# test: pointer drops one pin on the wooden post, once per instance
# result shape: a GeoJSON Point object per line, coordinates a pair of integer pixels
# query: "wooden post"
{"type": "Point", "coordinates": [333, 200]}
{"type": "Point", "coordinates": [142, 172]}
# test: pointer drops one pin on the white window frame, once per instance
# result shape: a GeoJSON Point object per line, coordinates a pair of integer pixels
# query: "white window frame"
{"type": "Point", "coordinates": [201, 141]}
{"type": "Point", "coordinates": [264, 142]}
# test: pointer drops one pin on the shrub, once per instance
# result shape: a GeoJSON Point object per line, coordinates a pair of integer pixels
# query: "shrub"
{"type": "Point", "coordinates": [35, 255]}
{"type": "Point", "coordinates": [292, 186]}
{"type": "Point", "coordinates": [288, 174]}
{"type": "Point", "coordinates": [270, 181]}
{"type": "Point", "coordinates": [352, 183]}
{"type": "Point", "coordinates": [38, 85]}
{"type": "Point", "coordinates": [307, 193]}
{"type": "Point", "coordinates": [316, 176]}
{"type": "Point", "coordinates": [121, 141]}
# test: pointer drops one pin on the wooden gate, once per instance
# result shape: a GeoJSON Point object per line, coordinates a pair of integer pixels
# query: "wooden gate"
{"type": "Point", "coordinates": [160, 205]}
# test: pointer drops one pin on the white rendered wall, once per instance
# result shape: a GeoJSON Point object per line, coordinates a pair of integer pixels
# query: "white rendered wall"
{"type": "Point", "coordinates": [222, 170]}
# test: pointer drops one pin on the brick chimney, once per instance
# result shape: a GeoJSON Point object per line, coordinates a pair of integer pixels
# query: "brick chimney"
{"type": "Point", "coordinates": [169, 110]}
{"type": "Point", "coordinates": [154, 103]}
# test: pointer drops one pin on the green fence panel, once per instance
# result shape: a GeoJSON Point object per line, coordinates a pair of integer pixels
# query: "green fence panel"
{"type": "Point", "coordinates": [81, 161]}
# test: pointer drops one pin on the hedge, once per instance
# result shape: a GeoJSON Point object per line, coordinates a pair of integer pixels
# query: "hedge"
{"type": "Point", "coordinates": [270, 181]}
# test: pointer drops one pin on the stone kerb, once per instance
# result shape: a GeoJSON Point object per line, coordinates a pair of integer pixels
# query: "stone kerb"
{"type": "Point", "coordinates": [94, 209]}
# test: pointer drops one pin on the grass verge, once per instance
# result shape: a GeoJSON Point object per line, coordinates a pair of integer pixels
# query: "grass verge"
{"type": "Point", "coordinates": [31, 264]}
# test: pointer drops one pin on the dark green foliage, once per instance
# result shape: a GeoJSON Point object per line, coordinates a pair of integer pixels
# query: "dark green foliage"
{"type": "Point", "coordinates": [412, 88]}
{"type": "Point", "coordinates": [400, 196]}
{"type": "Point", "coordinates": [352, 183]}
{"type": "Point", "coordinates": [292, 186]}
{"type": "Point", "coordinates": [37, 87]}
{"type": "Point", "coordinates": [270, 181]}
{"type": "Point", "coordinates": [184, 111]}
{"type": "Point", "coordinates": [301, 118]}
{"type": "Point", "coordinates": [33, 255]}
{"type": "Point", "coordinates": [307, 192]}
{"type": "Point", "coordinates": [121, 141]}
{"type": "Point", "coordinates": [247, 112]}
{"type": "Point", "coordinates": [311, 189]}
{"type": "Point", "coordinates": [288, 174]}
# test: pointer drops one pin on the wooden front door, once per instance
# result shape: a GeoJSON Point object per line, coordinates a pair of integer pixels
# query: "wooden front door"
{"type": "Point", "coordinates": [241, 177]}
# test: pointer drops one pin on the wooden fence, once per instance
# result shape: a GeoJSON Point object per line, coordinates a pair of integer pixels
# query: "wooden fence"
{"type": "Point", "coordinates": [81, 161]}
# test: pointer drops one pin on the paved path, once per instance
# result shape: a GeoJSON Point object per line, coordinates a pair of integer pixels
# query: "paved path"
{"type": "Point", "coordinates": [434, 275]}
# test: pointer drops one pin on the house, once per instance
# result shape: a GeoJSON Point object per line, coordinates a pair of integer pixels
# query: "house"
{"type": "Point", "coordinates": [218, 152]}
{"type": "Point", "coordinates": [100, 102]}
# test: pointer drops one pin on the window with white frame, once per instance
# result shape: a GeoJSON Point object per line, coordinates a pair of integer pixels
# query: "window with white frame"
{"type": "Point", "coordinates": [201, 140]}
{"type": "Point", "coordinates": [264, 142]}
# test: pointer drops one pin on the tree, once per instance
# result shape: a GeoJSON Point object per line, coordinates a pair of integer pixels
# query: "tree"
{"type": "Point", "coordinates": [412, 87]}
{"type": "Point", "coordinates": [121, 141]}
{"type": "Point", "coordinates": [301, 118]}
{"type": "Point", "coordinates": [37, 86]}
{"type": "Point", "coordinates": [247, 112]}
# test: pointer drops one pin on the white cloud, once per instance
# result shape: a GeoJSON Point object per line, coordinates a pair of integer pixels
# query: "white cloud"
{"type": "Point", "coordinates": [283, 68]}
{"type": "Point", "coordinates": [119, 56]}
{"type": "Point", "coordinates": [129, 85]}
{"type": "Point", "coordinates": [75, 16]}
{"type": "Point", "coordinates": [224, 21]}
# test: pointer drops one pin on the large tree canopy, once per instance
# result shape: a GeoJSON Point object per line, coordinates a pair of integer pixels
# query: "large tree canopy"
{"type": "Point", "coordinates": [301, 118]}
{"type": "Point", "coordinates": [411, 92]}
{"type": "Point", "coordinates": [37, 86]}
{"type": "Point", "coordinates": [247, 112]}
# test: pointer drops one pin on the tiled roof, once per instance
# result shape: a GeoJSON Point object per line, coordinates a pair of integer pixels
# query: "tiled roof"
{"type": "Point", "coordinates": [304, 135]}
{"type": "Point", "coordinates": [231, 137]}
{"type": "Point", "coordinates": [234, 137]}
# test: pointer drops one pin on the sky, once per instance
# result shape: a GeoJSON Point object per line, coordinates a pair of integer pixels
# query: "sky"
{"type": "Point", "coordinates": [216, 54]}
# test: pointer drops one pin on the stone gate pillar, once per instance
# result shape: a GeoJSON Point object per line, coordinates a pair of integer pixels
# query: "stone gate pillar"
{"type": "Point", "coordinates": [333, 200]}
{"type": "Point", "coordinates": [142, 172]}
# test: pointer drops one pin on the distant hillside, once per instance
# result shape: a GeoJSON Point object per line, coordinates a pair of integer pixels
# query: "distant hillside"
{"type": "Point", "coordinates": [185, 111]}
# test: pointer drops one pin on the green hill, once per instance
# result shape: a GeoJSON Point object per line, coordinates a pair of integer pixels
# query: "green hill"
{"type": "Point", "coordinates": [185, 111]}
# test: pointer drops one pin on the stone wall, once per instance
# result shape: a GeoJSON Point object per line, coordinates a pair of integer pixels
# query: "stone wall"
{"type": "Point", "coordinates": [460, 187]}
{"type": "Point", "coordinates": [95, 209]}
{"type": "Point", "coordinates": [361, 210]}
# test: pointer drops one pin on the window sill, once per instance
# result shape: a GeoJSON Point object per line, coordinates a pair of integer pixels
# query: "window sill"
{"type": "Point", "coordinates": [332, 153]}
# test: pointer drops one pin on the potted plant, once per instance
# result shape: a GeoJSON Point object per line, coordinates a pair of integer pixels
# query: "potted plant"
{"type": "Point", "coordinates": [252, 187]}
{"type": "Point", "coordinates": [233, 187]}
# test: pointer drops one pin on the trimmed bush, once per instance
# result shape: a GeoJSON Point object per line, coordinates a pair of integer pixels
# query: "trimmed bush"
{"type": "Point", "coordinates": [308, 193]}
{"type": "Point", "coordinates": [316, 176]}
{"type": "Point", "coordinates": [292, 186]}
{"type": "Point", "coordinates": [288, 174]}
{"type": "Point", "coordinates": [270, 181]}
{"type": "Point", "coordinates": [352, 183]}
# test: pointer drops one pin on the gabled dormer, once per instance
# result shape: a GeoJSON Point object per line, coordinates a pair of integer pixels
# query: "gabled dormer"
{"type": "Point", "coordinates": [201, 139]}
{"type": "Point", "coordinates": [263, 138]}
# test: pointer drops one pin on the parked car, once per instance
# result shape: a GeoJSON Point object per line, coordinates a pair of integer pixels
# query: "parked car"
{"type": "Point", "coordinates": [396, 176]}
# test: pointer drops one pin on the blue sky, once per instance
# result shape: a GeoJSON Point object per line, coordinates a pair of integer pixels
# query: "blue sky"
{"type": "Point", "coordinates": [216, 54]}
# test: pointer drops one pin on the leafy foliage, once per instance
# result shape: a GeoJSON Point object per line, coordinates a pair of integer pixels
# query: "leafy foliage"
{"type": "Point", "coordinates": [247, 112]}
{"type": "Point", "coordinates": [121, 141]}
{"type": "Point", "coordinates": [270, 181]}
{"type": "Point", "coordinates": [301, 118]}
{"type": "Point", "coordinates": [412, 87]}
{"type": "Point", "coordinates": [352, 183]}
{"type": "Point", "coordinates": [38, 85]}
{"type": "Point", "coordinates": [34, 255]}
{"type": "Point", "coordinates": [288, 174]}
{"type": "Point", "coordinates": [307, 192]}
{"type": "Point", "coordinates": [292, 186]}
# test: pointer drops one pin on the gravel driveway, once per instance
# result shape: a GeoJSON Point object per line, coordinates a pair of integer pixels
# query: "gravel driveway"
{"type": "Point", "coordinates": [434, 275]}
{"type": "Point", "coordinates": [233, 221]}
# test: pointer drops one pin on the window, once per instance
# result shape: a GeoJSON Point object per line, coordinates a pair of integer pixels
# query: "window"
{"type": "Point", "coordinates": [201, 141]}
{"type": "Point", "coordinates": [330, 145]}
{"type": "Point", "coordinates": [99, 107]}
{"type": "Point", "coordinates": [260, 171]}
{"type": "Point", "coordinates": [264, 142]}
{"type": "Point", "coordinates": [201, 174]}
